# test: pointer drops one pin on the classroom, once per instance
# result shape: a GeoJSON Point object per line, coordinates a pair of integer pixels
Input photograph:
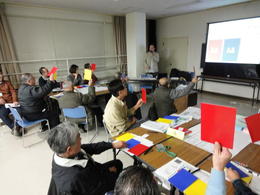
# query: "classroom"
{"type": "Point", "coordinates": [137, 97]}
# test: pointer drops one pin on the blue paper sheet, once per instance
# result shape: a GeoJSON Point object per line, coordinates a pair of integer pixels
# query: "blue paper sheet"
{"type": "Point", "coordinates": [171, 117]}
{"type": "Point", "coordinates": [182, 180]}
{"type": "Point", "coordinates": [241, 173]}
{"type": "Point", "coordinates": [132, 142]}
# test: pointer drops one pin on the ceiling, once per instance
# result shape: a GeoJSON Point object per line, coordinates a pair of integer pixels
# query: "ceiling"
{"type": "Point", "coordinates": [153, 8]}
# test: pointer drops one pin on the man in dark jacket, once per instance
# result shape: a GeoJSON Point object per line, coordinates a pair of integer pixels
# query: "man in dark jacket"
{"type": "Point", "coordinates": [74, 171]}
{"type": "Point", "coordinates": [32, 100]}
{"type": "Point", "coordinates": [164, 96]}
{"type": "Point", "coordinates": [45, 77]}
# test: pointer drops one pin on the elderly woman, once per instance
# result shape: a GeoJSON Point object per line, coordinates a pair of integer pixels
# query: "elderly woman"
{"type": "Point", "coordinates": [74, 171]}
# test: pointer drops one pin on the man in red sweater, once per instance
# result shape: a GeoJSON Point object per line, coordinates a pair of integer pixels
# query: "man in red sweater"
{"type": "Point", "coordinates": [7, 95]}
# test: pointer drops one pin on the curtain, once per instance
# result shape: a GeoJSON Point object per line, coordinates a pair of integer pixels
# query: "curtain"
{"type": "Point", "coordinates": [119, 25]}
{"type": "Point", "coordinates": [7, 51]}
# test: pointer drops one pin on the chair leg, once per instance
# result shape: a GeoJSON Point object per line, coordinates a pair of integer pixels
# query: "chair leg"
{"type": "Point", "coordinates": [96, 133]}
{"type": "Point", "coordinates": [48, 124]}
{"type": "Point", "coordinates": [114, 153]}
{"type": "Point", "coordinates": [23, 137]}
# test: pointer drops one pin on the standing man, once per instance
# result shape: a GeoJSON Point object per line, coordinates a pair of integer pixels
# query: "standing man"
{"type": "Point", "coordinates": [7, 95]}
{"type": "Point", "coordinates": [151, 61]}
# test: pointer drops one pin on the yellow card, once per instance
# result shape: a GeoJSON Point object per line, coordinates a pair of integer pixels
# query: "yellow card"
{"type": "Point", "coordinates": [197, 188]}
{"type": "Point", "coordinates": [125, 137]}
{"type": "Point", "coordinates": [55, 76]}
{"type": "Point", "coordinates": [87, 74]}
{"type": "Point", "coordinates": [163, 120]}
{"type": "Point", "coordinates": [176, 133]}
{"type": "Point", "coordinates": [247, 179]}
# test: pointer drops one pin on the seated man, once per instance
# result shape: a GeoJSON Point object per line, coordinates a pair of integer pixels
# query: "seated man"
{"type": "Point", "coordinates": [7, 95]}
{"type": "Point", "coordinates": [74, 171]}
{"type": "Point", "coordinates": [32, 100]}
{"type": "Point", "coordinates": [72, 99]}
{"type": "Point", "coordinates": [117, 116]}
{"type": "Point", "coordinates": [164, 96]}
{"type": "Point", "coordinates": [44, 78]}
{"type": "Point", "coordinates": [136, 180]}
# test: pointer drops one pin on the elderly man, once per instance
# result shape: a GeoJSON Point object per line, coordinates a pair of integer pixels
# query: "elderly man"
{"type": "Point", "coordinates": [7, 95]}
{"type": "Point", "coordinates": [32, 100]}
{"type": "Point", "coordinates": [72, 99]}
{"type": "Point", "coordinates": [74, 171]}
{"type": "Point", "coordinates": [164, 96]}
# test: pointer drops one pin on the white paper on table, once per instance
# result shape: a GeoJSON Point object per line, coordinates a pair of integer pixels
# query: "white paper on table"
{"type": "Point", "coordinates": [192, 111]}
{"type": "Point", "coordinates": [166, 171]}
{"type": "Point", "coordinates": [155, 126]}
{"type": "Point", "coordinates": [254, 185]}
{"type": "Point", "coordinates": [12, 105]}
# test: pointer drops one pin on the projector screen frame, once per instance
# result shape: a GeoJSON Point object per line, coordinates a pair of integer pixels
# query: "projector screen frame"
{"type": "Point", "coordinates": [230, 70]}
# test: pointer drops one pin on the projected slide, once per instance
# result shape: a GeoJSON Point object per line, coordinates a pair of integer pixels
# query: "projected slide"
{"type": "Point", "coordinates": [235, 41]}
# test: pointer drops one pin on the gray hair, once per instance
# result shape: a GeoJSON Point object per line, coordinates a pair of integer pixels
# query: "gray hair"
{"type": "Point", "coordinates": [67, 84]}
{"type": "Point", "coordinates": [63, 136]}
{"type": "Point", "coordinates": [26, 77]}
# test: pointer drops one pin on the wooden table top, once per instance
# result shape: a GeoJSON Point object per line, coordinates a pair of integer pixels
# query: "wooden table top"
{"type": "Point", "coordinates": [185, 151]}
{"type": "Point", "coordinates": [155, 137]}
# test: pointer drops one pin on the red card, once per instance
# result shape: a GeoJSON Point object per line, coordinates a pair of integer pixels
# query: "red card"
{"type": "Point", "coordinates": [138, 149]}
{"type": "Point", "coordinates": [218, 124]}
{"type": "Point", "coordinates": [143, 95]}
{"type": "Point", "coordinates": [53, 70]}
{"type": "Point", "coordinates": [253, 125]}
{"type": "Point", "coordinates": [93, 67]}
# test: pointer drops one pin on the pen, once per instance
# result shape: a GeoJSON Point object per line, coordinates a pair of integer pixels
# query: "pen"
{"type": "Point", "coordinates": [195, 171]}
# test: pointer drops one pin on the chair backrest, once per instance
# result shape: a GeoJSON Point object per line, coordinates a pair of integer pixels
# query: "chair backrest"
{"type": "Point", "coordinates": [77, 112]}
{"type": "Point", "coordinates": [16, 114]}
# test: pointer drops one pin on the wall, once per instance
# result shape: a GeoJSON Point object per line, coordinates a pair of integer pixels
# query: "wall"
{"type": "Point", "coordinates": [50, 33]}
{"type": "Point", "coordinates": [194, 27]}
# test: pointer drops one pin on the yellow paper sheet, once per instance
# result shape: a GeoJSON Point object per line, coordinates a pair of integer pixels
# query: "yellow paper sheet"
{"type": "Point", "coordinates": [247, 179]}
{"type": "Point", "coordinates": [55, 76]}
{"type": "Point", "coordinates": [125, 137]}
{"type": "Point", "coordinates": [197, 188]}
{"type": "Point", "coordinates": [175, 133]}
{"type": "Point", "coordinates": [87, 74]}
{"type": "Point", "coordinates": [163, 120]}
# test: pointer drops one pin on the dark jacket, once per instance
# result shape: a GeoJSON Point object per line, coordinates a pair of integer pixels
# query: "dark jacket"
{"type": "Point", "coordinates": [31, 98]}
{"type": "Point", "coordinates": [164, 98]}
{"type": "Point", "coordinates": [42, 82]}
{"type": "Point", "coordinates": [241, 188]}
{"type": "Point", "coordinates": [77, 81]}
{"type": "Point", "coordinates": [76, 180]}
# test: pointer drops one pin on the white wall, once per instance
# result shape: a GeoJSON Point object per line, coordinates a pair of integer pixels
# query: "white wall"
{"type": "Point", "coordinates": [194, 26]}
{"type": "Point", "coordinates": [50, 33]}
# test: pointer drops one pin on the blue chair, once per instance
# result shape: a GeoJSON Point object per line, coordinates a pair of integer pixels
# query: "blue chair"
{"type": "Point", "coordinates": [18, 119]}
{"type": "Point", "coordinates": [79, 113]}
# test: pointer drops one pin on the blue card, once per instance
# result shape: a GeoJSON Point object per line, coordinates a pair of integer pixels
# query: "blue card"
{"type": "Point", "coordinates": [171, 117]}
{"type": "Point", "coordinates": [182, 180]}
{"type": "Point", "coordinates": [241, 173]}
{"type": "Point", "coordinates": [132, 142]}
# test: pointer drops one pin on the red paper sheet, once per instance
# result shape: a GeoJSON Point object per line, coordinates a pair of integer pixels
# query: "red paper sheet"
{"type": "Point", "coordinates": [138, 149]}
{"type": "Point", "coordinates": [53, 70]}
{"type": "Point", "coordinates": [143, 95]}
{"type": "Point", "coordinates": [218, 124]}
{"type": "Point", "coordinates": [93, 67]}
{"type": "Point", "coordinates": [253, 125]}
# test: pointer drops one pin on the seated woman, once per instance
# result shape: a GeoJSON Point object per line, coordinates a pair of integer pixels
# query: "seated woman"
{"type": "Point", "coordinates": [74, 76]}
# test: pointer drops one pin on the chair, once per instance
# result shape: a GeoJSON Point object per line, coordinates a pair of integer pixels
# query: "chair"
{"type": "Point", "coordinates": [79, 113]}
{"type": "Point", "coordinates": [109, 139]}
{"type": "Point", "coordinates": [24, 123]}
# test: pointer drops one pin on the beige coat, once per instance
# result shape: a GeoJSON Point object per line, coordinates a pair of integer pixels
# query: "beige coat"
{"type": "Point", "coordinates": [116, 116]}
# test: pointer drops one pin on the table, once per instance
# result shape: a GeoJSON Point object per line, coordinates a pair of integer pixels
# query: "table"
{"type": "Point", "coordinates": [185, 151]}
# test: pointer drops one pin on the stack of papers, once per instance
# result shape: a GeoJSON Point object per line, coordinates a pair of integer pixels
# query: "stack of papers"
{"type": "Point", "coordinates": [136, 145]}
{"type": "Point", "coordinates": [12, 105]}
{"type": "Point", "coordinates": [155, 126]}
{"type": "Point", "coordinates": [192, 111]}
